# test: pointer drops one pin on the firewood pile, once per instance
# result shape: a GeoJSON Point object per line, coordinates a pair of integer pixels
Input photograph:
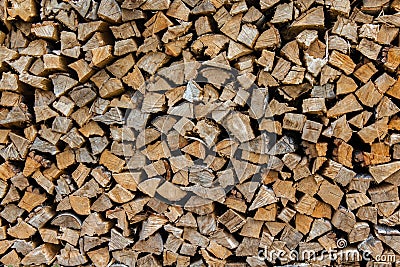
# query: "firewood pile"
{"type": "Point", "coordinates": [199, 133]}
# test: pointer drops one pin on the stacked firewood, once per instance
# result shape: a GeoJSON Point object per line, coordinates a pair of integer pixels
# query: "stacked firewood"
{"type": "Point", "coordinates": [199, 132]}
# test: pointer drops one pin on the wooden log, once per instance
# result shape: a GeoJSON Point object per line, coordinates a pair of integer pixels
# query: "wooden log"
{"type": "Point", "coordinates": [110, 11]}
{"type": "Point", "coordinates": [312, 19]}
{"type": "Point", "coordinates": [342, 62]}
{"type": "Point", "coordinates": [178, 10]}
{"type": "Point", "coordinates": [232, 221]}
{"type": "Point", "coordinates": [83, 69]}
{"type": "Point", "coordinates": [344, 220]}
{"type": "Point", "coordinates": [43, 254]}
{"type": "Point", "coordinates": [369, 48]}
{"type": "Point", "coordinates": [268, 39]}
